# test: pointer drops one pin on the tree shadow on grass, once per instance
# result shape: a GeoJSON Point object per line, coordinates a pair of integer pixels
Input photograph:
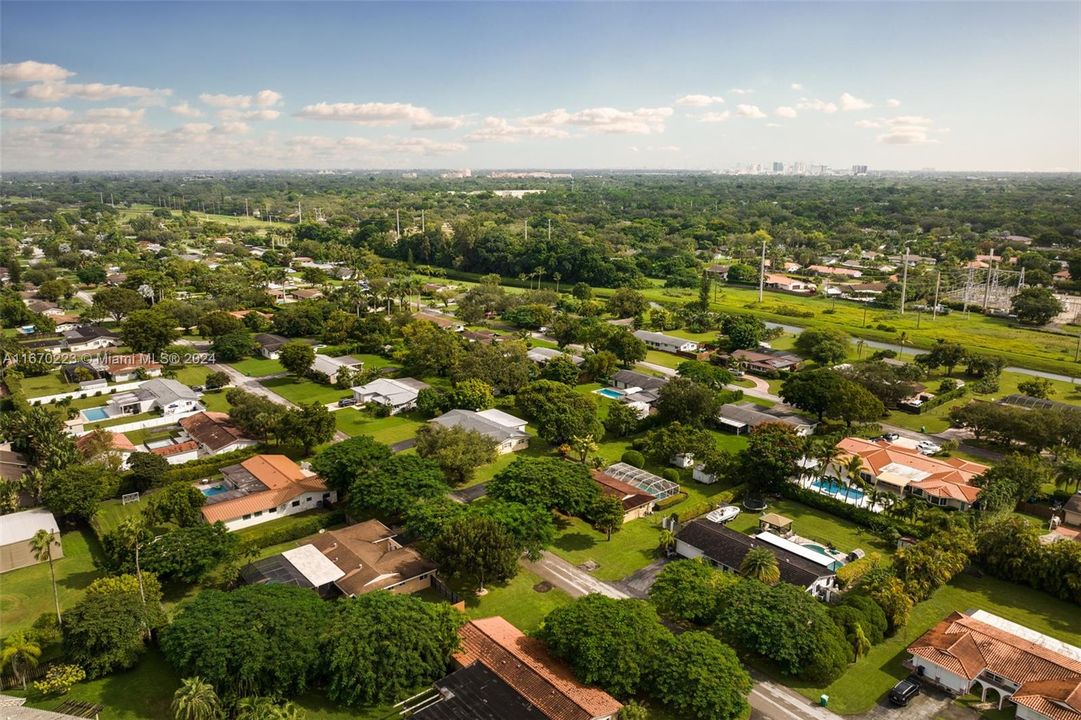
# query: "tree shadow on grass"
{"type": "Point", "coordinates": [78, 580]}
{"type": "Point", "coordinates": [575, 541]}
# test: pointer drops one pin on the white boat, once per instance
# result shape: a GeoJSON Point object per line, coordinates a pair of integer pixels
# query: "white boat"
{"type": "Point", "coordinates": [723, 514]}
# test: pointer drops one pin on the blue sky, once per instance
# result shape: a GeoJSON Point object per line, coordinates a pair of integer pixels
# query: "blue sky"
{"type": "Point", "coordinates": [903, 85]}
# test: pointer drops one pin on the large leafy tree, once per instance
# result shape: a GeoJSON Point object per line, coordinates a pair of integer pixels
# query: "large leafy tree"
{"type": "Point", "coordinates": [826, 346]}
{"type": "Point", "coordinates": [186, 554]}
{"type": "Point", "coordinates": [148, 331]}
{"type": "Point", "coordinates": [41, 435]}
{"type": "Point", "coordinates": [476, 550]}
{"type": "Point", "coordinates": [76, 491]}
{"type": "Point", "coordinates": [309, 425]}
{"type": "Point", "coordinates": [742, 332]}
{"type": "Point", "coordinates": [688, 590]}
{"type": "Point", "coordinates": [559, 411]}
{"type": "Point", "coordinates": [105, 631]}
{"type": "Point", "coordinates": [610, 643]}
{"type": "Point", "coordinates": [178, 503]}
{"type": "Point", "coordinates": [531, 526]}
{"type": "Point", "coordinates": [342, 462]}
{"type": "Point", "coordinates": [812, 390]}
{"type": "Point", "coordinates": [684, 400]}
{"type": "Point", "coordinates": [943, 354]}
{"type": "Point", "coordinates": [394, 485]}
{"type": "Point", "coordinates": [698, 676]}
{"type": "Point", "coordinates": [256, 640]}
{"type": "Point", "coordinates": [1035, 305]}
{"type": "Point", "coordinates": [458, 451]}
{"type": "Point", "coordinates": [147, 469]}
{"type": "Point", "coordinates": [505, 366]}
{"type": "Point", "coordinates": [547, 482]}
{"type": "Point", "coordinates": [383, 646]}
{"type": "Point", "coordinates": [430, 350]}
{"type": "Point", "coordinates": [771, 455]}
{"type": "Point", "coordinates": [627, 302]}
{"type": "Point", "coordinates": [119, 302]}
{"type": "Point", "coordinates": [296, 357]}
{"type": "Point", "coordinates": [667, 441]}
{"type": "Point", "coordinates": [704, 373]}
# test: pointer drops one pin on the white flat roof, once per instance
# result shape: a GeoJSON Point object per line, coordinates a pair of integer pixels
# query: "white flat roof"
{"type": "Point", "coordinates": [21, 526]}
{"type": "Point", "coordinates": [796, 549]}
{"type": "Point", "coordinates": [1062, 648]}
{"type": "Point", "coordinates": [313, 565]}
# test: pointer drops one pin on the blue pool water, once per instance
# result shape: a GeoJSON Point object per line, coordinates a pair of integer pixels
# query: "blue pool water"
{"type": "Point", "coordinates": [816, 548]}
{"type": "Point", "coordinates": [95, 414]}
{"type": "Point", "coordinates": [610, 393]}
{"type": "Point", "coordinates": [213, 490]}
{"type": "Point", "coordinates": [832, 486]}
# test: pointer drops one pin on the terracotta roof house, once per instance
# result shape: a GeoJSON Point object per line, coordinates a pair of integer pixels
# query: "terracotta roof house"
{"type": "Point", "coordinates": [119, 445]}
{"type": "Point", "coordinates": [307, 293]}
{"type": "Point", "coordinates": [999, 660]}
{"type": "Point", "coordinates": [725, 548]}
{"type": "Point", "coordinates": [352, 561]}
{"type": "Point", "coordinates": [214, 433]}
{"type": "Point", "coordinates": [775, 281]}
{"type": "Point", "coordinates": [444, 321]}
{"type": "Point", "coordinates": [890, 467]}
{"type": "Point", "coordinates": [835, 271]}
{"type": "Point", "coordinates": [125, 367]}
{"type": "Point", "coordinates": [539, 685]}
{"type": "Point", "coordinates": [262, 488]}
{"type": "Point", "coordinates": [177, 453]}
{"type": "Point", "coordinates": [636, 503]}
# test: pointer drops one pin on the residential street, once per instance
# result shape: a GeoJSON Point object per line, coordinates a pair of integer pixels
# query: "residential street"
{"type": "Point", "coordinates": [770, 701]}
{"type": "Point", "coordinates": [569, 578]}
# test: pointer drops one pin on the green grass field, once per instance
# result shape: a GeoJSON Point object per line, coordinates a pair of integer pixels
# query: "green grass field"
{"type": "Point", "coordinates": [304, 392]}
{"type": "Point", "coordinates": [49, 384]}
{"type": "Point", "coordinates": [388, 430]}
{"type": "Point", "coordinates": [258, 367]}
{"type": "Point", "coordinates": [815, 525]}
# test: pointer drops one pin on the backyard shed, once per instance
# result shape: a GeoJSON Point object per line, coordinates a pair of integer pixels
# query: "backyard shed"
{"type": "Point", "coordinates": [16, 532]}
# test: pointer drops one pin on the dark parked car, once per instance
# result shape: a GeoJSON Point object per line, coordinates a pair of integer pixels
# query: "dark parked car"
{"type": "Point", "coordinates": [891, 436]}
{"type": "Point", "coordinates": [346, 402]}
{"type": "Point", "coordinates": [904, 691]}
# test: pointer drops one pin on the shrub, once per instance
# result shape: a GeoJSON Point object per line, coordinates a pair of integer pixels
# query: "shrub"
{"type": "Point", "coordinates": [633, 457]}
{"type": "Point", "coordinates": [59, 679]}
{"type": "Point", "coordinates": [309, 526]}
{"type": "Point", "coordinates": [670, 474]}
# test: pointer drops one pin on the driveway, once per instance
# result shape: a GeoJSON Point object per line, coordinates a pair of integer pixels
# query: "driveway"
{"type": "Point", "coordinates": [403, 445]}
{"type": "Point", "coordinates": [471, 493]}
{"type": "Point", "coordinates": [572, 580]}
{"type": "Point", "coordinates": [930, 704]}
{"type": "Point", "coordinates": [637, 584]}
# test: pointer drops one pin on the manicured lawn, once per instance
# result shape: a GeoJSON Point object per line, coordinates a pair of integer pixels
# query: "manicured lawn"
{"type": "Point", "coordinates": [26, 593]}
{"type": "Point", "coordinates": [113, 512]}
{"type": "Point", "coordinates": [664, 359]}
{"type": "Point", "coordinates": [815, 525]}
{"type": "Point", "coordinates": [122, 420]}
{"type": "Point", "coordinates": [374, 362]}
{"type": "Point", "coordinates": [515, 600]}
{"type": "Point", "coordinates": [49, 384]}
{"type": "Point", "coordinates": [388, 430]}
{"type": "Point", "coordinates": [192, 375]}
{"type": "Point", "coordinates": [305, 392]}
{"type": "Point", "coordinates": [138, 437]}
{"type": "Point", "coordinates": [281, 524]}
{"type": "Point", "coordinates": [258, 366]}
{"type": "Point", "coordinates": [631, 548]}
{"type": "Point", "coordinates": [869, 679]}
{"type": "Point", "coordinates": [215, 401]}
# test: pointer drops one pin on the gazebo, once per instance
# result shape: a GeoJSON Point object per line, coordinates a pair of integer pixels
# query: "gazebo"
{"type": "Point", "coordinates": [776, 524]}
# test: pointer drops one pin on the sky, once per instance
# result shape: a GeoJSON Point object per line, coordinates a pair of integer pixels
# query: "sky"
{"type": "Point", "coordinates": [703, 86]}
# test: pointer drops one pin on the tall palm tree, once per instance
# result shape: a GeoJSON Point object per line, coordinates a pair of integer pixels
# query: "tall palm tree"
{"type": "Point", "coordinates": [130, 536]}
{"type": "Point", "coordinates": [557, 277]}
{"type": "Point", "coordinates": [42, 547]}
{"type": "Point", "coordinates": [852, 472]}
{"type": "Point", "coordinates": [666, 540]}
{"type": "Point", "coordinates": [859, 348]}
{"type": "Point", "coordinates": [1068, 471]}
{"type": "Point", "coordinates": [264, 708]}
{"type": "Point", "coordinates": [195, 699]}
{"type": "Point", "coordinates": [21, 654]}
{"type": "Point", "coordinates": [760, 564]}
{"type": "Point", "coordinates": [902, 340]}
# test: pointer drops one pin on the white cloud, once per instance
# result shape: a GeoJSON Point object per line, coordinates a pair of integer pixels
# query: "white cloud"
{"type": "Point", "coordinates": [32, 71]}
{"type": "Point", "coordinates": [785, 112]}
{"type": "Point", "coordinates": [893, 103]}
{"type": "Point", "coordinates": [816, 104]}
{"type": "Point", "coordinates": [184, 109]}
{"type": "Point", "coordinates": [851, 102]}
{"type": "Point", "coordinates": [225, 101]}
{"type": "Point", "coordinates": [496, 129]}
{"type": "Point", "coordinates": [643, 121]}
{"type": "Point", "coordinates": [751, 111]}
{"type": "Point", "coordinates": [868, 124]}
{"type": "Point", "coordinates": [699, 100]}
{"type": "Point", "coordinates": [378, 113]}
{"type": "Point", "coordinates": [116, 114]}
{"type": "Point", "coordinates": [45, 114]}
{"type": "Point", "coordinates": [741, 91]}
{"type": "Point", "coordinates": [267, 98]}
{"type": "Point", "coordinates": [241, 115]}
{"type": "Point", "coordinates": [908, 130]}
{"type": "Point", "coordinates": [90, 129]}
{"type": "Point", "coordinates": [796, 86]}
{"type": "Point", "coordinates": [911, 120]}
{"type": "Point", "coordinates": [232, 128]}
{"type": "Point", "coordinates": [424, 146]}
{"type": "Point", "coordinates": [714, 117]}
{"type": "Point", "coordinates": [53, 91]}
{"type": "Point", "coordinates": [194, 128]}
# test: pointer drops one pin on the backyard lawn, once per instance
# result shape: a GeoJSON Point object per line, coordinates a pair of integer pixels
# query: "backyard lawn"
{"type": "Point", "coordinates": [305, 392]}
{"type": "Point", "coordinates": [816, 525]}
{"type": "Point", "coordinates": [518, 602]}
{"type": "Point", "coordinates": [258, 366]}
{"type": "Point", "coordinates": [26, 593]}
{"type": "Point", "coordinates": [51, 383]}
{"type": "Point", "coordinates": [388, 430]}
{"type": "Point", "coordinates": [631, 548]}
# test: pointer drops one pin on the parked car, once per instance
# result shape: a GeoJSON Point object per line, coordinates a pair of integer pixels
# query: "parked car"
{"type": "Point", "coordinates": [199, 388]}
{"type": "Point", "coordinates": [891, 437]}
{"type": "Point", "coordinates": [928, 448]}
{"type": "Point", "coordinates": [904, 691]}
{"type": "Point", "coordinates": [346, 402]}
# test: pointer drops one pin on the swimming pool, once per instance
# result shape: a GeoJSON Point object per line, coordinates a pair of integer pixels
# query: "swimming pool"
{"type": "Point", "coordinates": [95, 414]}
{"type": "Point", "coordinates": [610, 393]}
{"type": "Point", "coordinates": [836, 488]}
{"type": "Point", "coordinates": [213, 490]}
{"type": "Point", "coordinates": [817, 549]}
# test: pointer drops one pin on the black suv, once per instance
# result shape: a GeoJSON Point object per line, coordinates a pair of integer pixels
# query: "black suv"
{"type": "Point", "coordinates": [904, 691]}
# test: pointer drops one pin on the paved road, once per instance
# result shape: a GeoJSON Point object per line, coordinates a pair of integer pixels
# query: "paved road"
{"type": "Point", "coordinates": [570, 579]}
{"type": "Point", "coordinates": [770, 701]}
{"type": "Point", "coordinates": [638, 583]}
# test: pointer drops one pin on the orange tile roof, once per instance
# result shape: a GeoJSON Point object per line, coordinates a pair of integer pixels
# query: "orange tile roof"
{"type": "Point", "coordinates": [274, 471]}
{"type": "Point", "coordinates": [119, 442]}
{"type": "Point", "coordinates": [284, 479]}
{"type": "Point", "coordinates": [949, 477]}
{"type": "Point", "coordinates": [176, 448]}
{"type": "Point", "coordinates": [1057, 699]}
{"type": "Point", "coordinates": [523, 663]}
{"type": "Point", "coordinates": [967, 647]}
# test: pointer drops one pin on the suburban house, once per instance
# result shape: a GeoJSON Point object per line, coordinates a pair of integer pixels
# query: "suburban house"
{"type": "Point", "coordinates": [351, 561]}
{"type": "Point", "coordinates": [642, 480]}
{"type": "Point", "coordinates": [175, 453]}
{"type": "Point", "coordinates": [507, 431]}
{"type": "Point", "coordinates": [95, 444]}
{"type": "Point", "coordinates": [444, 321]}
{"type": "Point", "coordinates": [636, 503]}
{"type": "Point", "coordinates": [666, 343]}
{"type": "Point", "coordinates": [89, 337]}
{"type": "Point", "coordinates": [717, 272]}
{"type": "Point", "coordinates": [638, 387]}
{"type": "Point", "coordinates": [262, 488]}
{"type": "Point", "coordinates": [542, 355]}
{"type": "Point", "coordinates": [270, 345]}
{"type": "Point", "coordinates": [17, 530]}
{"type": "Point", "coordinates": [128, 367]}
{"type": "Point", "coordinates": [946, 482]}
{"type": "Point", "coordinates": [863, 291]}
{"type": "Point", "coordinates": [745, 416]}
{"type": "Point", "coordinates": [997, 660]}
{"type": "Point", "coordinates": [1071, 511]}
{"type": "Point", "coordinates": [835, 271]}
{"type": "Point", "coordinates": [776, 281]}
{"type": "Point", "coordinates": [169, 396]}
{"type": "Point", "coordinates": [398, 394]}
{"type": "Point", "coordinates": [725, 548]}
{"type": "Point", "coordinates": [12, 465]}
{"type": "Point", "coordinates": [502, 673]}
{"type": "Point", "coordinates": [766, 362]}
{"type": "Point", "coordinates": [213, 432]}
{"type": "Point", "coordinates": [331, 366]}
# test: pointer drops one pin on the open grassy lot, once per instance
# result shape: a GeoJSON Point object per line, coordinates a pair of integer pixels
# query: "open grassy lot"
{"type": "Point", "coordinates": [215, 401]}
{"type": "Point", "coordinates": [49, 384]}
{"type": "Point", "coordinates": [138, 437]}
{"type": "Point", "coordinates": [388, 430]}
{"type": "Point", "coordinates": [305, 392]}
{"type": "Point", "coordinates": [26, 593]}
{"type": "Point", "coordinates": [113, 512]}
{"type": "Point", "coordinates": [631, 548]}
{"type": "Point", "coordinates": [257, 366]}
{"type": "Point", "coordinates": [229, 220]}
{"type": "Point", "coordinates": [518, 602]}
{"type": "Point", "coordinates": [870, 678]}
{"type": "Point", "coordinates": [374, 362]}
{"type": "Point", "coordinates": [193, 375]}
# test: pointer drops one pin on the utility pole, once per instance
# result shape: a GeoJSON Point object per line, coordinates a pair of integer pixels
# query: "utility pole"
{"type": "Point", "coordinates": [904, 281]}
{"type": "Point", "coordinates": [762, 272]}
{"type": "Point", "coordinates": [527, 229]}
{"type": "Point", "coordinates": [938, 282]}
{"type": "Point", "coordinates": [398, 223]}
{"type": "Point", "coordinates": [1077, 351]}
{"type": "Point", "coordinates": [987, 285]}
{"type": "Point", "coordinates": [300, 213]}
{"type": "Point", "coordinates": [549, 229]}
{"type": "Point", "coordinates": [245, 207]}
{"type": "Point", "coordinates": [968, 291]}
{"type": "Point", "coordinates": [423, 226]}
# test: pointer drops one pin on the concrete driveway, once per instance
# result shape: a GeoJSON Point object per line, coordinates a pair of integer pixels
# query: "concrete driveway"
{"type": "Point", "coordinates": [930, 704]}
{"type": "Point", "coordinates": [573, 580]}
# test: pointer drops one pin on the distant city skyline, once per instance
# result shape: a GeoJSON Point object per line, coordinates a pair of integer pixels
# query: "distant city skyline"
{"type": "Point", "coordinates": [698, 86]}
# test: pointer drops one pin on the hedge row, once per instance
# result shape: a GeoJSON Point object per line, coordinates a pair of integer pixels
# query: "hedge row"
{"type": "Point", "coordinates": [942, 399]}
{"type": "Point", "coordinates": [199, 469]}
{"type": "Point", "coordinates": [264, 537]}
{"type": "Point", "coordinates": [882, 525]}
